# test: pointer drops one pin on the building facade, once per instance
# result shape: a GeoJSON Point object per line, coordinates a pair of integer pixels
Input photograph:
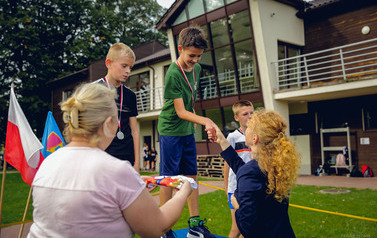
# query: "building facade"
{"type": "Point", "coordinates": [315, 63]}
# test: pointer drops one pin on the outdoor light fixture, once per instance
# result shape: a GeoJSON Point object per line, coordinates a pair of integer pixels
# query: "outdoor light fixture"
{"type": "Point", "coordinates": [365, 30]}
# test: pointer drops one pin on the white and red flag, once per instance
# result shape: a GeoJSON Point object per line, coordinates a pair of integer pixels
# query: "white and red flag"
{"type": "Point", "coordinates": [22, 147]}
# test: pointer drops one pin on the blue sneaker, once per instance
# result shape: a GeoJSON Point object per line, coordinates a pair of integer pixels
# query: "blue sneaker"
{"type": "Point", "coordinates": [199, 231]}
{"type": "Point", "coordinates": [169, 234]}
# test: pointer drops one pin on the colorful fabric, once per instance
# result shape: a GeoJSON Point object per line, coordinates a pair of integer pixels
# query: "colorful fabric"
{"type": "Point", "coordinates": [52, 138]}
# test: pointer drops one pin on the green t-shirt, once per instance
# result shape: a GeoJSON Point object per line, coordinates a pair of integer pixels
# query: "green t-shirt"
{"type": "Point", "coordinates": [169, 124]}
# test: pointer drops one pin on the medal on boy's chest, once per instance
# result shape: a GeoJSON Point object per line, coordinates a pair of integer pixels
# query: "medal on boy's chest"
{"type": "Point", "coordinates": [120, 134]}
{"type": "Point", "coordinates": [187, 81]}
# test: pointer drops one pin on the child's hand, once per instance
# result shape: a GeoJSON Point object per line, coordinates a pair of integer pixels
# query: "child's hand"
{"type": "Point", "coordinates": [234, 202]}
{"type": "Point", "coordinates": [211, 131]}
{"type": "Point", "coordinates": [186, 188]}
{"type": "Point", "coordinates": [220, 139]}
{"type": "Point", "coordinates": [151, 187]}
{"type": "Point", "coordinates": [219, 135]}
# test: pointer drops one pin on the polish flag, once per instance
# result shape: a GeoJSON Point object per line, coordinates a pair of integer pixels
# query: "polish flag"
{"type": "Point", "coordinates": [22, 147]}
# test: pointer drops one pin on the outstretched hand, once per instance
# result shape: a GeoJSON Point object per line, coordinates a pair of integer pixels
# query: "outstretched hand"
{"type": "Point", "coordinates": [220, 138]}
{"type": "Point", "coordinates": [210, 129]}
{"type": "Point", "coordinates": [186, 188]}
{"type": "Point", "coordinates": [151, 187]}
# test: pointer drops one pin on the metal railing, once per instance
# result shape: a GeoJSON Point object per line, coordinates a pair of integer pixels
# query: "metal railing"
{"type": "Point", "coordinates": [227, 82]}
{"type": "Point", "coordinates": [345, 63]}
{"type": "Point", "coordinates": [150, 99]}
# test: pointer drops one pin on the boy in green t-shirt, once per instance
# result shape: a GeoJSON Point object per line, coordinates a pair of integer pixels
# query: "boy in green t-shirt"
{"type": "Point", "coordinates": [176, 123]}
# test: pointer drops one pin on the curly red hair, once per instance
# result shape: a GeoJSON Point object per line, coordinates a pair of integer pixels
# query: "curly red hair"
{"type": "Point", "coordinates": [276, 154]}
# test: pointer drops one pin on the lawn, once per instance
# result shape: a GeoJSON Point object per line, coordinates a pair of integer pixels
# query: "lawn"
{"type": "Point", "coordinates": [213, 206]}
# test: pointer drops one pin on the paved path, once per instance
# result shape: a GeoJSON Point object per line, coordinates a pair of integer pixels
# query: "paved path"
{"type": "Point", "coordinates": [332, 181]}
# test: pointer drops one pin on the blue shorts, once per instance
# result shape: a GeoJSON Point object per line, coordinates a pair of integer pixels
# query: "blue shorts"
{"type": "Point", "coordinates": [178, 155]}
{"type": "Point", "coordinates": [229, 200]}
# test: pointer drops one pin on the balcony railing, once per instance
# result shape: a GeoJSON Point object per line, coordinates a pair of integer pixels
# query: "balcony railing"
{"type": "Point", "coordinates": [150, 99]}
{"type": "Point", "coordinates": [350, 62]}
{"type": "Point", "coordinates": [227, 82]}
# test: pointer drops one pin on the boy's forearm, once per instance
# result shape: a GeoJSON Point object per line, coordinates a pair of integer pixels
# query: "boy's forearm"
{"type": "Point", "coordinates": [183, 114]}
{"type": "Point", "coordinates": [192, 117]}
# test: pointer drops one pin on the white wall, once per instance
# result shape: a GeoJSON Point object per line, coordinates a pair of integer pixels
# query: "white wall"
{"type": "Point", "coordinates": [272, 22]}
{"type": "Point", "coordinates": [302, 142]}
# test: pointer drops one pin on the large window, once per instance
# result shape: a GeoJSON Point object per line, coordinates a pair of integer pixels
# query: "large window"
{"type": "Point", "coordinates": [207, 83]}
{"type": "Point", "coordinates": [219, 32]}
{"type": "Point", "coordinates": [246, 66]}
{"type": "Point", "coordinates": [240, 26]}
{"type": "Point", "coordinates": [229, 64]}
{"type": "Point", "coordinates": [225, 71]}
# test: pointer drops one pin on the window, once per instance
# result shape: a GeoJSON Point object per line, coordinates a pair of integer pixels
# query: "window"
{"type": "Point", "coordinates": [230, 122]}
{"type": "Point", "coordinates": [219, 33]}
{"type": "Point", "coordinates": [195, 8]}
{"type": "Point", "coordinates": [229, 64]}
{"type": "Point", "coordinates": [301, 124]}
{"type": "Point", "coordinates": [213, 4]}
{"type": "Point", "coordinates": [66, 94]}
{"type": "Point", "coordinates": [225, 71]}
{"type": "Point", "coordinates": [139, 83]}
{"type": "Point", "coordinates": [240, 26]}
{"type": "Point", "coordinates": [246, 64]}
{"type": "Point", "coordinates": [200, 134]}
{"type": "Point", "coordinates": [370, 116]}
{"type": "Point", "coordinates": [290, 77]}
{"type": "Point", "coordinates": [207, 81]}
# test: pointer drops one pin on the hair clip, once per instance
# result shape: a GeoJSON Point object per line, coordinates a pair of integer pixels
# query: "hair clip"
{"type": "Point", "coordinates": [74, 117]}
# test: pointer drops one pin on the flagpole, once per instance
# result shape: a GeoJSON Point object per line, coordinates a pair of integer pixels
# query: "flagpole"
{"type": "Point", "coordinates": [2, 189]}
{"type": "Point", "coordinates": [25, 213]}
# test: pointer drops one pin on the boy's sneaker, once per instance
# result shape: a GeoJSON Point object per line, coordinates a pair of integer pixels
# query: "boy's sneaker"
{"type": "Point", "coordinates": [169, 234]}
{"type": "Point", "coordinates": [199, 231]}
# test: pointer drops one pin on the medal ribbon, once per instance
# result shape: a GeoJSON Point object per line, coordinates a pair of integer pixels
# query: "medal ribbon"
{"type": "Point", "coordinates": [184, 75]}
{"type": "Point", "coordinates": [240, 129]}
{"type": "Point", "coordinates": [121, 101]}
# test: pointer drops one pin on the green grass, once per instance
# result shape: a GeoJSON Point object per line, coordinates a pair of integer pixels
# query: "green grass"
{"type": "Point", "coordinates": [305, 223]}
{"type": "Point", "coordinates": [359, 202]}
{"type": "Point", "coordinates": [214, 207]}
{"type": "Point", "coordinates": [16, 192]}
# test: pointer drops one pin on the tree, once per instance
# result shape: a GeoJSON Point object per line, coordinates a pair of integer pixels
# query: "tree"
{"type": "Point", "coordinates": [41, 40]}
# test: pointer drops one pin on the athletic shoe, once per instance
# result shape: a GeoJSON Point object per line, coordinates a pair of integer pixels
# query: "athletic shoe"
{"type": "Point", "coordinates": [199, 231]}
{"type": "Point", "coordinates": [169, 234]}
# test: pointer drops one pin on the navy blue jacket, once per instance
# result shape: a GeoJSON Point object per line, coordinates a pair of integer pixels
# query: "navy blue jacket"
{"type": "Point", "coordinates": [259, 214]}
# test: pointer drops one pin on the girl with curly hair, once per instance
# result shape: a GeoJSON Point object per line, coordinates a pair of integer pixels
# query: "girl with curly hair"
{"type": "Point", "coordinates": [264, 183]}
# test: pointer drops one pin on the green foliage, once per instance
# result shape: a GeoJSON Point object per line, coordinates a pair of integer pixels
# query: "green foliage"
{"type": "Point", "coordinates": [43, 40]}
